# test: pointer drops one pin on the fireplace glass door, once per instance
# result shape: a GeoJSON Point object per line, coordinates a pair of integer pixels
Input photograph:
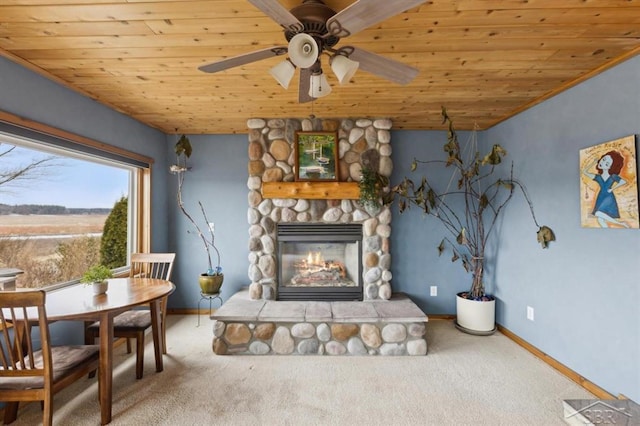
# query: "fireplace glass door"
{"type": "Point", "coordinates": [319, 262]}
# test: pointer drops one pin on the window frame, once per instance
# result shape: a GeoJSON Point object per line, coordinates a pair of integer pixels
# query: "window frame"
{"type": "Point", "coordinates": [140, 232]}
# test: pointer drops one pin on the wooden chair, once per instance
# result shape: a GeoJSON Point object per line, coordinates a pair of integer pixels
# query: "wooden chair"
{"type": "Point", "coordinates": [27, 374]}
{"type": "Point", "coordinates": [134, 324]}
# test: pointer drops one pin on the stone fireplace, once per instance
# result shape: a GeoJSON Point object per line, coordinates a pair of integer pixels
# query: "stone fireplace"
{"type": "Point", "coordinates": [316, 255]}
{"type": "Point", "coordinates": [319, 263]}
{"type": "Point", "coordinates": [362, 142]}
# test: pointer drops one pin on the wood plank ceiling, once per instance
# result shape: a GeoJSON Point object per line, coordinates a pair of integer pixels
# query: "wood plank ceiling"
{"type": "Point", "coordinates": [485, 60]}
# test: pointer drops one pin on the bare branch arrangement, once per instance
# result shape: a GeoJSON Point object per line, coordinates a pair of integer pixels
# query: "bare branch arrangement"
{"type": "Point", "coordinates": [469, 212]}
{"type": "Point", "coordinates": [183, 152]}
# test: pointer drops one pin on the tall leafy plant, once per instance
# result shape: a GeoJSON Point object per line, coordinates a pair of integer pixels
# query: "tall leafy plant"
{"type": "Point", "coordinates": [470, 210]}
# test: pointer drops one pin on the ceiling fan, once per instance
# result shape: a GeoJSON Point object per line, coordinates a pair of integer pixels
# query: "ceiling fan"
{"type": "Point", "coordinates": [313, 28]}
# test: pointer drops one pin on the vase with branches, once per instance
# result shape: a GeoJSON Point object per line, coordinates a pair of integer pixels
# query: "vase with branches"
{"type": "Point", "coordinates": [470, 206]}
{"type": "Point", "coordinates": [211, 280]}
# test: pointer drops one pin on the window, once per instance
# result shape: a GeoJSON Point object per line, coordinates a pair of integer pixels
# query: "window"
{"type": "Point", "coordinates": [65, 206]}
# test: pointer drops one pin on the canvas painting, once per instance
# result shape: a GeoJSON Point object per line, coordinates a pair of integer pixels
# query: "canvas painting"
{"type": "Point", "coordinates": [316, 156]}
{"type": "Point", "coordinates": [609, 185]}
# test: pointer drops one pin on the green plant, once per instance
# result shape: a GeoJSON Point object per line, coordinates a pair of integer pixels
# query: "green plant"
{"type": "Point", "coordinates": [372, 187]}
{"type": "Point", "coordinates": [96, 273]}
{"type": "Point", "coordinates": [183, 151]}
{"type": "Point", "coordinates": [469, 211]}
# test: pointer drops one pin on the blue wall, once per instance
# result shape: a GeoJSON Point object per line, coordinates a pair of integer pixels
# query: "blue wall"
{"type": "Point", "coordinates": [29, 95]}
{"type": "Point", "coordinates": [218, 179]}
{"type": "Point", "coordinates": [585, 288]}
{"type": "Point", "coordinates": [586, 310]}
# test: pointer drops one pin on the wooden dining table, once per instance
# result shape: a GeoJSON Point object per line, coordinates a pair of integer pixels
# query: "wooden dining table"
{"type": "Point", "coordinates": [77, 302]}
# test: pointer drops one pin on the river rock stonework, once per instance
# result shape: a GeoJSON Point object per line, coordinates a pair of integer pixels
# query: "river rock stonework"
{"type": "Point", "coordinates": [320, 339]}
{"type": "Point", "coordinates": [247, 326]}
{"type": "Point", "coordinates": [271, 159]}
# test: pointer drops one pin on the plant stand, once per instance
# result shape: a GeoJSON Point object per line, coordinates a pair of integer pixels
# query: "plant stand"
{"type": "Point", "coordinates": [211, 298]}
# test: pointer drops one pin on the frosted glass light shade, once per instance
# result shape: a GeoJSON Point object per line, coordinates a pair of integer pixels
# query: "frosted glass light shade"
{"type": "Point", "coordinates": [319, 86]}
{"type": "Point", "coordinates": [283, 73]}
{"type": "Point", "coordinates": [303, 50]}
{"type": "Point", "coordinates": [344, 68]}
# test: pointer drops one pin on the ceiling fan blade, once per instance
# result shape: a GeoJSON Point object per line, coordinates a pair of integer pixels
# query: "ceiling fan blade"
{"type": "Point", "coordinates": [365, 13]}
{"type": "Point", "coordinates": [304, 86]}
{"type": "Point", "coordinates": [274, 10]}
{"type": "Point", "coordinates": [243, 59]}
{"type": "Point", "coordinates": [384, 67]}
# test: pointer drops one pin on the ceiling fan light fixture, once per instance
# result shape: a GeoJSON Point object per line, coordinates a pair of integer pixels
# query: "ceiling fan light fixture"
{"type": "Point", "coordinates": [343, 67]}
{"type": "Point", "coordinates": [303, 50]}
{"type": "Point", "coordinates": [319, 86]}
{"type": "Point", "coordinates": [283, 73]}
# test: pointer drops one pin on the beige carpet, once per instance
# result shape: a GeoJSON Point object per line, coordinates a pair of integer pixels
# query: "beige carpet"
{"type": "Point", "coordinates": [464, 380]}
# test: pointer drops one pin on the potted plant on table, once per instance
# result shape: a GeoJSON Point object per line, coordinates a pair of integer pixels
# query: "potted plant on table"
{"type": "Point", "coordinates": [97, 276]}
{"type": "Point", "coordinates": [210, 280]}
{"type": "Point", "coordinates": [469, 212]}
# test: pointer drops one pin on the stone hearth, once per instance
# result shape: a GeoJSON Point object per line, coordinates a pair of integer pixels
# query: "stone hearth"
{"type": "Point", "coordinates": [260, 327]}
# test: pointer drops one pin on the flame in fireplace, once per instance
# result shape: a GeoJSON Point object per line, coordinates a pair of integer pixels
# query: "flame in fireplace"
{"type": "Point", "coordinates": [315, 263]}
{"type": "Point", "coordinates": [315, 258]}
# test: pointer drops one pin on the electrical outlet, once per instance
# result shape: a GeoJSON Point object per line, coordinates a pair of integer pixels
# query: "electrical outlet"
{"type": "Point", "coordinates": [530, 313]}
{"type": "Point", "coordinates": [434, 290]}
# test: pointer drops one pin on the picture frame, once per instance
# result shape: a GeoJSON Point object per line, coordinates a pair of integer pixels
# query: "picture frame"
{"type": "Point", "coordinates": [609, 185]}
{"type": "Point", "coordinates": [316, 156]}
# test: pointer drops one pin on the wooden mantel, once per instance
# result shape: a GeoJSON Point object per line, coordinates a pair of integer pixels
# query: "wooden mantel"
{"type": "Point", "coordinates": [312, 190]}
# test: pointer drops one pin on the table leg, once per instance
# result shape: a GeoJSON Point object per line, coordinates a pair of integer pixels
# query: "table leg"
{"type": "Point", "coordinates": [106, 367]}
{"type": "Point", "coordinates": [156, 330]}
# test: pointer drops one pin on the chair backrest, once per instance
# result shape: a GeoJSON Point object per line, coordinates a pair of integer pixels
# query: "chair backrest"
{"type": "Point", "coordinates": [19, 311]}
{"type": "Point", "coordinates": [152, 265]}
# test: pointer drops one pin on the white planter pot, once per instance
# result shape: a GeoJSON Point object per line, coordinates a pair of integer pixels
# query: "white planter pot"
{"type": "Point", "coordinates": [100, 287]}
{"type": "Point", "coordinates": [476, 317]}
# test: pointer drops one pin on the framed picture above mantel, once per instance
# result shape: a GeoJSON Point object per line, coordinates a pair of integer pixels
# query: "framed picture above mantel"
{"type": "Point", "coordinates": [316, 156]}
